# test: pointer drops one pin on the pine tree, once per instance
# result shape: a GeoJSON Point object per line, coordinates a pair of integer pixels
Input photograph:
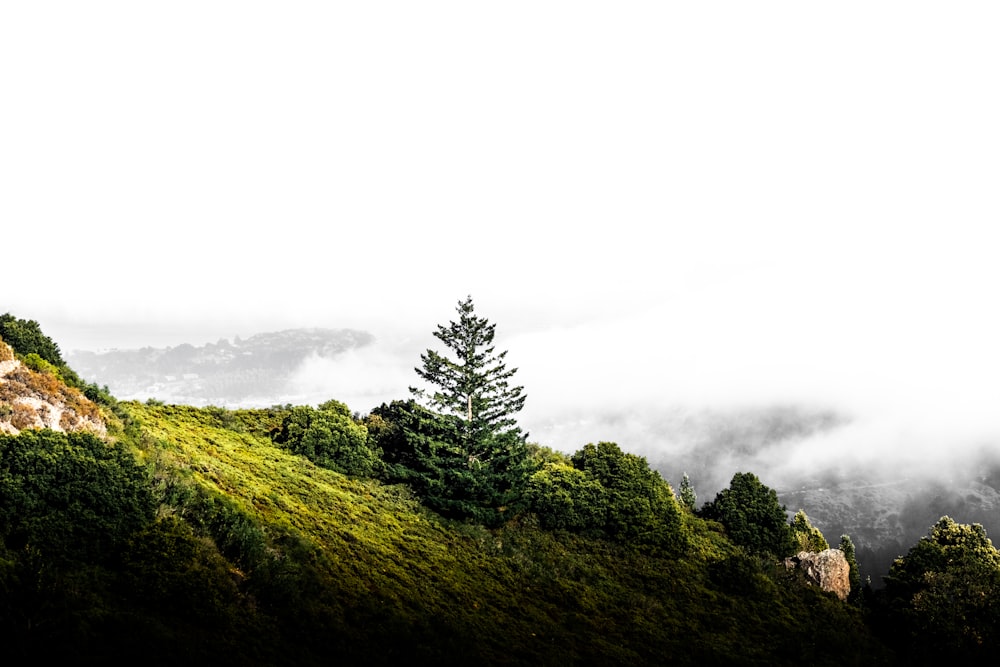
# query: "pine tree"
{"type": "Point", "coordinates": [483, 466]}
{"type": "Point", "coordinates": [847, 546]}
{"type": "Point", "coordinates": [474, 385]}
{"type": "Point", "coordinates": [688, 496]}
{"type": "Point", "coordinates": [806, 536]}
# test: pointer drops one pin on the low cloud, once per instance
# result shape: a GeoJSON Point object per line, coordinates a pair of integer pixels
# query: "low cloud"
{"type": "Point", "coordinates": [718, 382]}
{"type": "Point", "coordinates": [363, 378]}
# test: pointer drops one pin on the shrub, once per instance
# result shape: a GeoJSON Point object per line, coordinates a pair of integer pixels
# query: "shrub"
{"type": "Point", "coordinates": [69, 495]}
{"type": "Point", "coordinates": [753, 517]}
{"type": "Point", "coordinates": [329, 437]}
{"type": "Point", "coordinates": [26, 337]}
{"type": "Point", "coordinates": [610, 492]}
{"type": "Point", "coordinates": [805, 535]}
{"type": "Point", "coordinates": [23, 416]}
{"type": "Point", "coordinates": [6, 353]}
{"type": "Point", "coordinates": [564, 497]}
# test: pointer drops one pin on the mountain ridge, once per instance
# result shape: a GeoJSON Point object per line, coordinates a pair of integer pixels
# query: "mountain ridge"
{"type": "Point", "coordinates": [239, 371]}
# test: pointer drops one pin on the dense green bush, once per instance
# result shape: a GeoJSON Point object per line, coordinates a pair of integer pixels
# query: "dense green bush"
{"type": "Point", "coordinates": [26, 337]}
{"type": "Point", "coordinates": [942, 600]}
{"type": "Point", "coordinates": [566, 498]}
{"type": "Point", "coordinates": [71, 496]}
{"type": "Point", "coordinates": [753, 517]}
{"type": "Point", "coordinates": [330, 437]}
{"type": "Point", "coordinates": [806, 536]}
{"type": "Point", "coordinates": [607, 492]}
{"type": "Point", "coordinates": [68, 505]}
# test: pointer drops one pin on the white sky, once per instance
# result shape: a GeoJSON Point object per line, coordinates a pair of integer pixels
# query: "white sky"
{"type": "Point", "coordinates": [699, 203]}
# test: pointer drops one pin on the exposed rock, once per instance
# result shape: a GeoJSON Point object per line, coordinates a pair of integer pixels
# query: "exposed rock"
{"type": "Point", "coordinates": [886, 512]}
{"type": "Point", "coordinates": [29, 399]}
{"type": "Point", "coordinates": [827, 569]}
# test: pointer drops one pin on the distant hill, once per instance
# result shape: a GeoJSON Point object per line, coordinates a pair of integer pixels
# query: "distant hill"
{"type": "Point", "coordinates": [883, 508]}
{"type": "Point", "coordinates": [886, 515]}
{"type": "Point", "coordinates": [254, 370]}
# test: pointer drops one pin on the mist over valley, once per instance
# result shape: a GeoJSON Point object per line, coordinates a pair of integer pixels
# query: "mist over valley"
{"type": "Point", "coordinates": [850, 475]}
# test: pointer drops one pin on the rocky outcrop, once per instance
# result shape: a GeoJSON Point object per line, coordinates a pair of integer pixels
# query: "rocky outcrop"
{"type": "Point", "coordinates": [827, 569]}
{"type": "Point", "coordinates": [32, 399]}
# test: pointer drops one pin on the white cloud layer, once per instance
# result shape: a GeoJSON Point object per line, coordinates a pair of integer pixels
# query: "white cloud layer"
{"type": "Point", "coordinates": [722, 204]}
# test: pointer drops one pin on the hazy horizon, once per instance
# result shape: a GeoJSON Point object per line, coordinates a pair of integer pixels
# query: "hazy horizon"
{"type": "Point", "coordinates": [715, 207]}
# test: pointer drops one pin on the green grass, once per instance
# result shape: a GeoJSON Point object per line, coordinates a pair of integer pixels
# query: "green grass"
{"type": "Point", "coordinates": [359, 570]}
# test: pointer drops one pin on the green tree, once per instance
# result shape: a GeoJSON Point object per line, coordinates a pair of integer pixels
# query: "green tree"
{"type": "Point", "coordinates": [42, 354]}
{"type": "Point", "coordinates": [567, 498]}
{"type": "Point", "coordinates": [688, 497]}
{"type": "Point", "coordinates": [69, 495]}
{"type": "Point", "coordinates": [943, 597]}
{"type": "Point", "coordinates": [330, 437]}
{"type": "Point", "coordinates": [465, 445]}
{"type": "Point", "coordinates": [26, 337]}
{"type": "Point", "coordinates": [472, 383]}
{"type": "Point", "coordinates": [806, 536]}
{"type": "Point", "coordinates": [753, 517]}
{"type": "Point", "coordinates": [847, 546]}
{"type": "Point", "coordinates": [606, 492]}
{"type": "Point", "coordinates": [640, 505]}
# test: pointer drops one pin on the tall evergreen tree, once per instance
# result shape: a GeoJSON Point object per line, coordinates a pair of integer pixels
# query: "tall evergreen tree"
{"type": "Point", "coordinates": [472, 383]}
{"type": "Point", "coordinates": [473, 461]}
{"type": "Point", "coordinates": [847, 546]}
{"type": "Point", "coordinates": [688, 497]}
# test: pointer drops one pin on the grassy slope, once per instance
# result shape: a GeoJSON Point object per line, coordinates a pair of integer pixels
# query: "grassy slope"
{"type": "Point", "coordinates": [360, 571]}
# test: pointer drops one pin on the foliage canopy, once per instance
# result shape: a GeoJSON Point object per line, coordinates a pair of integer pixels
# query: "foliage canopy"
{"type": "Point", "coordinates": [752, 515]}
{"type": "Point", "coordinates": [806, 536]}
{"type": "Point", "coordinates": [942, 599]}
{"type": "Point", "coordinates": [329, 437]}
{"type": "Point", "coordinates": [610, 493]}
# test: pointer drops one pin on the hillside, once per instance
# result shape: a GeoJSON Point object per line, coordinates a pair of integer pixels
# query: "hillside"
{"type": "Point", "coordinates": [211, 536]}
{"type": "Point", "coordinates": [282, 562]}
{"type": "Point", "coordinates": [192, 534]}
{"type": "Point", "coordinates": [883, 512]}
{"type": "Point", "coordinates": [34, 396]}
{"type": "Point", "coordinates": [377, 577]}
{"type": "Point", "coordinates": [884, 506]}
